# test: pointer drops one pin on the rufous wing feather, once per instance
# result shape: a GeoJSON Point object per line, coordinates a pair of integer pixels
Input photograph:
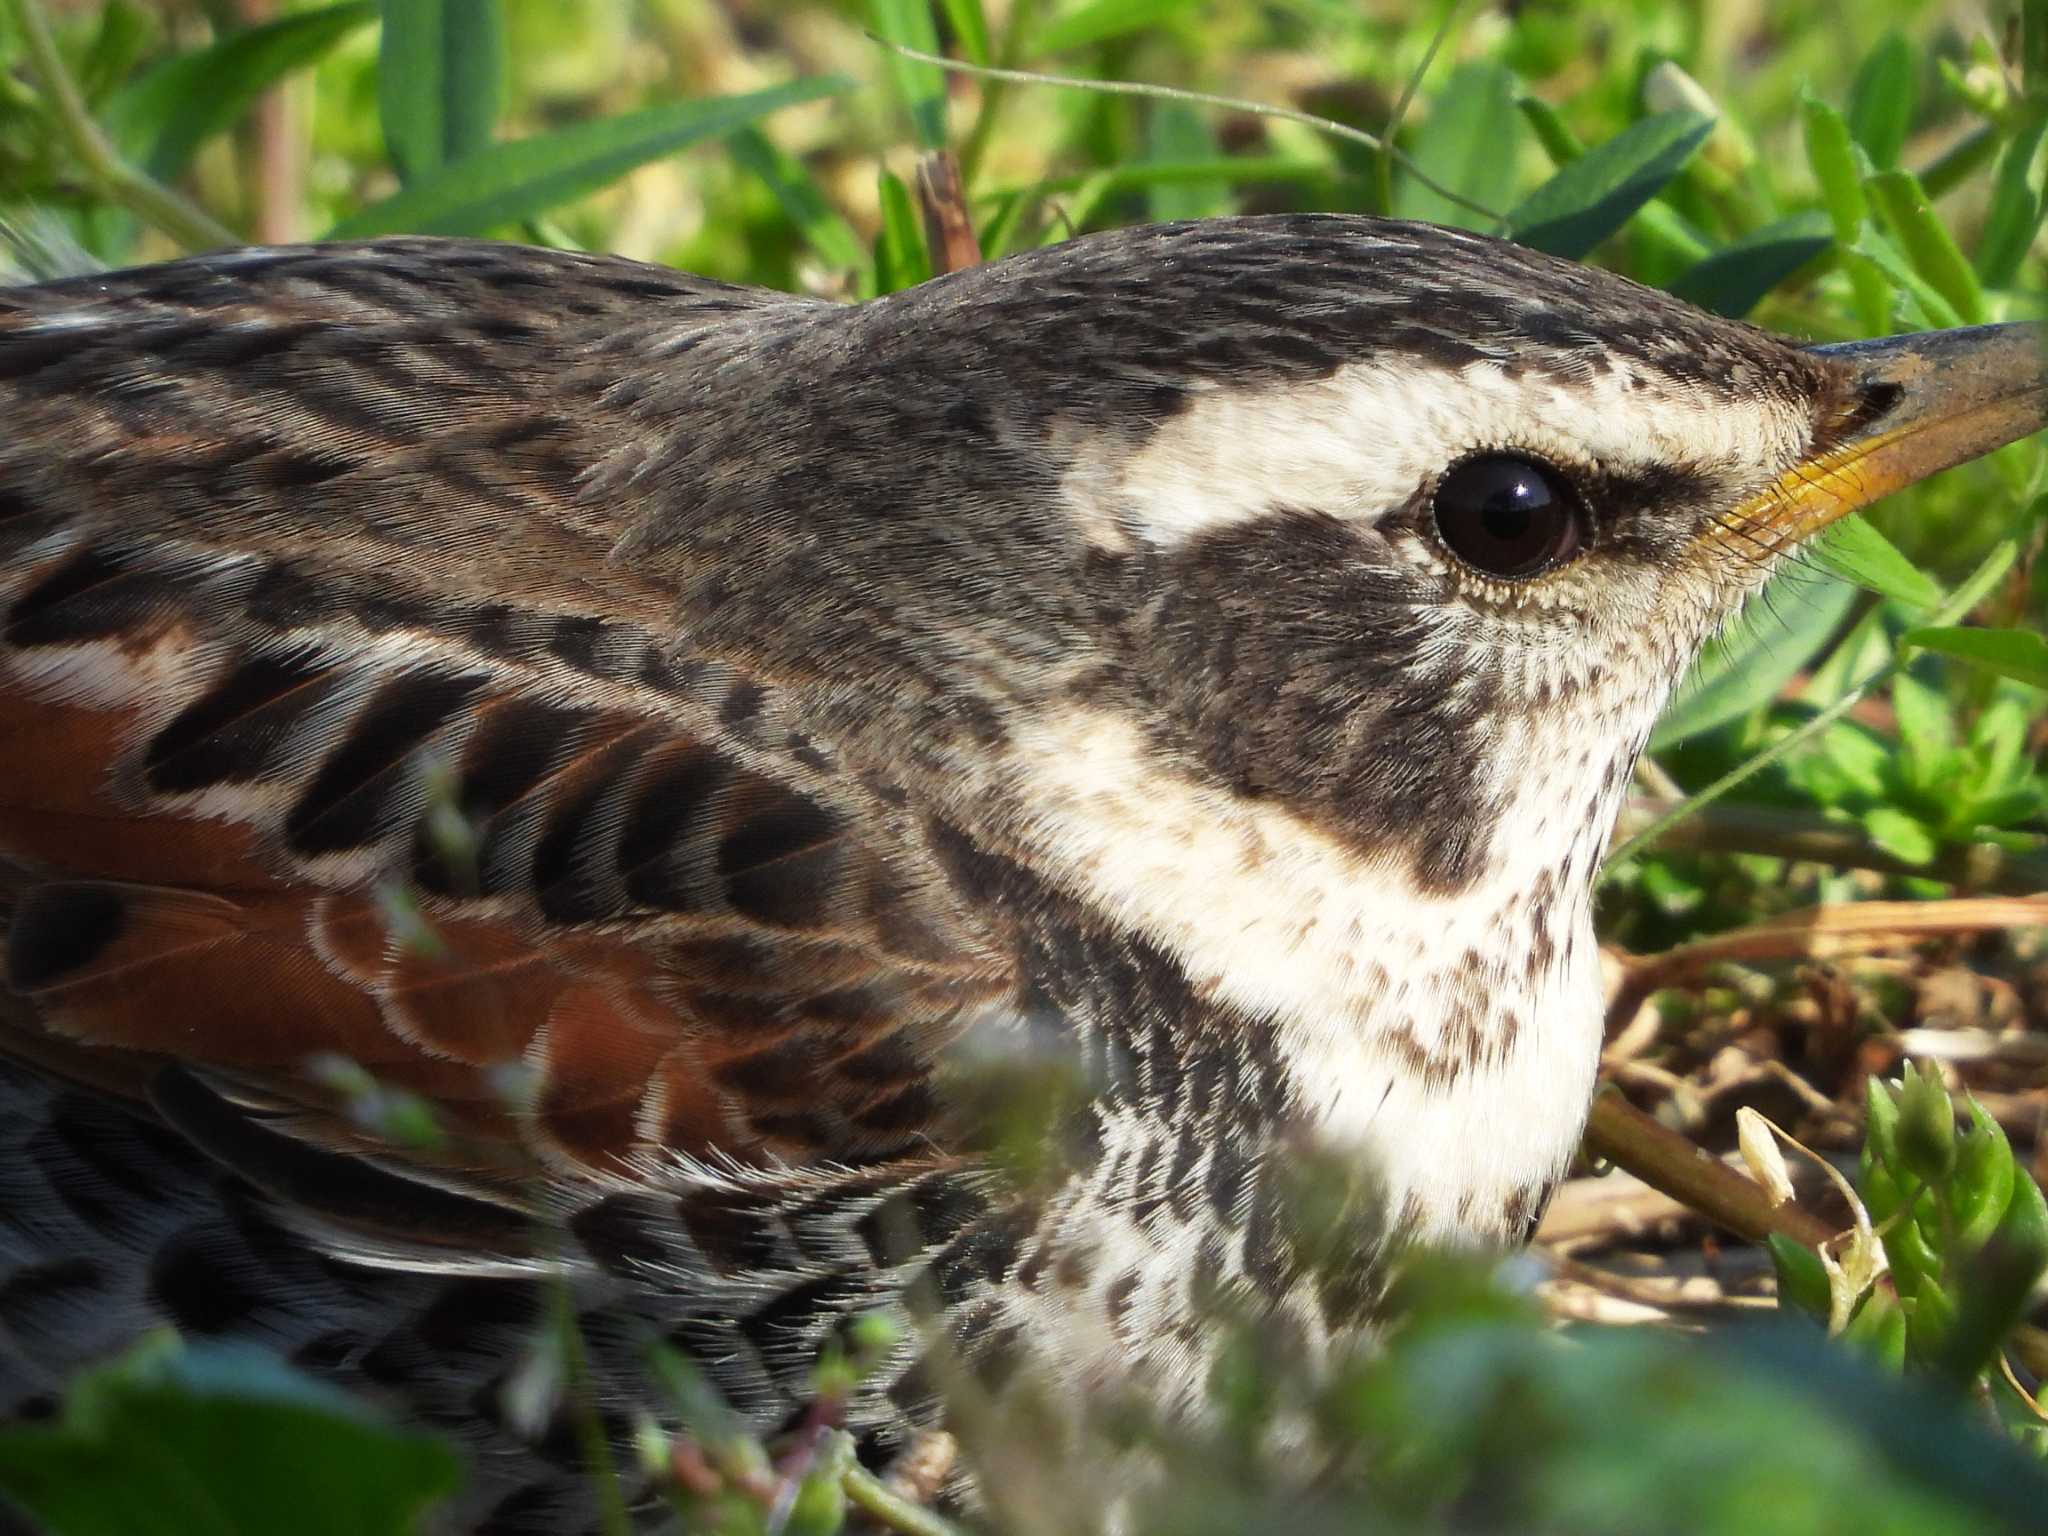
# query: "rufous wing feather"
{"type": "Point", "coordinates": [329, 726]}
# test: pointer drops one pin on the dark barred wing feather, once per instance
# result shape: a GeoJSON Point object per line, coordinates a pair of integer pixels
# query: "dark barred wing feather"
{"type": "Point", "coordinates": [330, 724]}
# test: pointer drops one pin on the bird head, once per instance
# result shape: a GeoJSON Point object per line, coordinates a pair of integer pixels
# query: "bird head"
{"type": "Point", "coordinates": [1297, 594]}
{"type": "Point", "coordinates": [1377, 522]}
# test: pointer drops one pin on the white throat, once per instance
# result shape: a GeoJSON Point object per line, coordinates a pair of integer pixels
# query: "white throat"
{"type": "Point", "coordinates": [1451, 1039]}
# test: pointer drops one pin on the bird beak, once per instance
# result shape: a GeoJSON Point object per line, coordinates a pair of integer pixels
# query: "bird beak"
{"type": "Point", "coordinates": [1913, 406]}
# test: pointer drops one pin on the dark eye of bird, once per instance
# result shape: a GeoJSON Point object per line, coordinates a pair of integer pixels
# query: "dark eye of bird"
{"type": "Point", "coordinates": [1509, 517]}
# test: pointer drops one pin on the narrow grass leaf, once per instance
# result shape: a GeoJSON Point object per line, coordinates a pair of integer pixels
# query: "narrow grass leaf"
{"type": "Point", "coordinates": [1735, 279]}
{"type": "Point", "coordinates": [1143, 174]}
{"type": "Point", "coordinates": [2015, 653]}
{"type": "Point", "coordinates": [123, 36]}
{"type": "Point", "coordinates": [1881, 101]}
{"type": "Point", "coordinates": [440, 81]}
{"type": "Point", "coordinates": [909, 24]}
{"type": "Point", "coordinates": [1749, 664]}
{"type": "Point", "coordinates": [161, 118]}
{"type": "Point", "coordinates": [513, 181]}
{"type": "Point", "coordinates": [2014, 217]}
{"type": "Point", "coordinates": [1103, 21]}
{"type": "Point", "coordinates": [1933, 251]}
{"type": "Point", "coordinates": [1177, 133]}
{"type": "Point", "coordinates": [1836, 161]}
{"type": "Point", "coordinates": [1887, 263]}
{"type": "Point", "coordinates": [2034, 48]}
{"type": "Point", "coordinates": [1551, 130]}
{"type": "Point", "coordinates": [900, 258]}
{"type": "Point", "coordinates": [1595, 195]}
{"type": "Point", "coordinates": [1468, 144]}
{"type": "Point", "coordinates": [806, 207]}
{"type": "Point", "coordinates": [1856, 551]}
{"type": "Point", "coordinates": [970, 26]}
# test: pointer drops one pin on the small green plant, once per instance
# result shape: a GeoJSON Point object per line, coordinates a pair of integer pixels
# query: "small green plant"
{"type": "Point", "coordinates": [1949, 1246]}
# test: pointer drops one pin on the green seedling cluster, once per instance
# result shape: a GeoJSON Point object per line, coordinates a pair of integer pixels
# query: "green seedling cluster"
{"type": "Point", "coordinates": [1963, 1231]}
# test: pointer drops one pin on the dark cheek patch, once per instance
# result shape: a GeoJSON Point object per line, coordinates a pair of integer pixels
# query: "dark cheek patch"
{"type": "Point", "coordinates": [1294, 667]}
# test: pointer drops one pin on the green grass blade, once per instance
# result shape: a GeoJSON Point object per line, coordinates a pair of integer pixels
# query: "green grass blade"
{"type": "Point", "coordinates": [1596, 194]}
{"type": "Point", "coordinates": [1176, 134]}
{"type": "Point", "coordinates": [2015, 653]}
{"type": "Point", "coordinates": [1888, 263]}
{"type": "Point", "coordinates": [908, 24]}
{"type": "Point", "coordinates": [900, 258]}
{"type": "Point", "coordinates": [1881, 101]}
{"type": "Point", "coordinates": [971, 27]}
{"type": "Point", "coordinates": [2014, 218]}
{"type": "Point", "coordinates": [162, 118]}
{"type": "Point", "coordinates": [1734, 280]}
{"type": "Point", "coordinates": [1747, 666]}
{"type": "Point", "coordinates": [1833, 155]}
{"type": "Point", "coordinates": [1968, 595]}
{"type": "Point", "coordinates": [1933, 251]}
{"type": "Point", "coordinates": [1237, 170]}
{"type": "Point", "coordinates": [1552, 131]}
{"type": "Point", "coordinates": [1468, 144]}
{"type": "Point", "coordinates": [806, 207]}
{"type": "Point", "coordinates": [1102, 22]}
{"type": "Point", "coordinates": [507, 182]}
{"type": "Point", "coordinates": [1855, 551]}
{"type": "Point", "coordinates": [440, 81]}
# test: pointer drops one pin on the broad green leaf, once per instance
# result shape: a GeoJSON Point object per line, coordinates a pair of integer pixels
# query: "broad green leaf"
{"type": "Point", "coordinates": [1858, 756]}
{"type": "Point", "coordinates": [161, 118]}
{"type": "Point", "coordinates": [1881, 101]}
{"type": "Point", "coordinates": [1467, 144]}
{"type": "Point", "coordinates": [2015, 653]}
{"type": "Point", "coordinates": [1857, 552]}
{"type": "Point", "coordinates": [1592, 197]}
{"type": "Point", "coordinates": [1927, 242]}
{"type": "Point", "coordinates": [512, 181]}
{"type": "Point", "coordinates": [1925, 730]}
{"type": "Point", "coordinates": [900, 258]}
{"type": "Point", "coordinates": [1900, 835]}
{"type": "Point", "coordinates": [1998, 740]}
{"type": "Point", "coordinates": [1100, 21]}
{"type": "Point", "coordinates": [1747, 666]}
{"type": "Point", "coordinates": [806, 207]}
{"type": "Point", "coordinates": [970, 26]}
{"type": "Point", "coordinates": [2014, 217]}
{"type": "Point", "coordinates": [908, 23]}
{"type": "Point", "coordinates": [440, 81]}
{"type": "Point", "coordinates": [1735, 279]}
{"type": "Point", "coordinates": [1177, 133]}
{"type": "Point", "coordinates": [218, 1440]}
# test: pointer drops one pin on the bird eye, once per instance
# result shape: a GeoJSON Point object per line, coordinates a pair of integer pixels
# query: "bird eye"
{"type": "Point", "coordinates": [1509, 517]}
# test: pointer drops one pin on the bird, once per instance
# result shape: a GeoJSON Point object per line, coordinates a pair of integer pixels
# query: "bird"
{"type": "Point", "coordinates": [680, 733]}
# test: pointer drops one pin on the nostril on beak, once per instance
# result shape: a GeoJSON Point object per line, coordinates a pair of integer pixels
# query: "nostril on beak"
{"type": "Point", "coordinates": [1879, 397]}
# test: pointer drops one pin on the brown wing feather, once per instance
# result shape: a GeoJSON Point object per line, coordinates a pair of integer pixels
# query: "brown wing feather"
{"type": "Point", "coordinates": [328, 724]}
